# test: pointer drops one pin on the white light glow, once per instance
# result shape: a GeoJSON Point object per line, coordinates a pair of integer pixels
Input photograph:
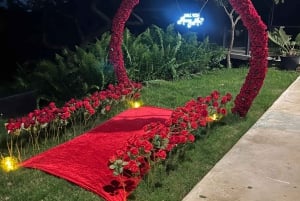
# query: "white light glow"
{"type": "Point", "coordinates": [190, 19]}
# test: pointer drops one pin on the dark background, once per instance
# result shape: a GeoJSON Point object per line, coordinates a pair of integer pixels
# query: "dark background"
{"type": "Point", "coordinates": [35, 32]}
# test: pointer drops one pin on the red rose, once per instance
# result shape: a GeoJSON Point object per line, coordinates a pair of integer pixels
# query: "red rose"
{"type": "Point", "coordinates": [161, 154]}
{"type": "Point", "coordinates": [223, 111]}
{"type": "Point", "coordinates": [119, 153]}
{"type": "Point", "coordinates": [194, 125]}
{"type": "Point", "coordinates": [224, 100]}
{"type": "Point", "coordinates": [133, 166]}
{"type": "Point", "coordinates": [134, 151]}
{"type": "Point", "coordinates": [191, 138]}
{"type": "Point", "coordinates": [215, 104]}
{"type": "Point", "coordinates": [107, 108]}
{"type": "Point", "coordinates": [147, 146]}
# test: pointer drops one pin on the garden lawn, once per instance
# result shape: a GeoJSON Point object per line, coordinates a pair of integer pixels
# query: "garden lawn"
{"type": "Point", "coordinates": [168, 183]}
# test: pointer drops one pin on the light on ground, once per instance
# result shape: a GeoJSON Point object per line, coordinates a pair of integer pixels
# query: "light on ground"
{"type": "Point", "coordinates": [135, 104]}
{"type": "Point", "coordinates": [9, 163]}
{"type": "Point", "coordinates": [216, 117]}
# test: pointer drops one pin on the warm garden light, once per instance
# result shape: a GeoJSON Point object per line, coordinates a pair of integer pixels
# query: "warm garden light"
{"type": "Point", "coordinates": [215, 117]}
{"type": "Point", "coordinates": [9, 163]}
{"type": "Point", "coordinates": [190, 20]}
{"type": "Point", "coordinates": [135, 104]}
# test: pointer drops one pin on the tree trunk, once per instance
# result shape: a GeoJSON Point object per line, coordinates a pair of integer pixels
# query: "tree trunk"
{"type": "Point", "coordinates": [233, 22]}
{"type": "Point", "coordinates": [230, 47]}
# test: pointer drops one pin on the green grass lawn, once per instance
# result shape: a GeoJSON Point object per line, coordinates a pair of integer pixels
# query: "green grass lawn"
{"type": "Point", "coordinates": [171, 183]}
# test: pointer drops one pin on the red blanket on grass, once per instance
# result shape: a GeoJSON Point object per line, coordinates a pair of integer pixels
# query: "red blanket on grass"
{"type": "Point", "coordinates": [83, 160]}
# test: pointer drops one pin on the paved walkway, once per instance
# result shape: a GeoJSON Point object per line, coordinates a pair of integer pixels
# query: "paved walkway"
{"type": "Point", "coordinates": [264, 165]}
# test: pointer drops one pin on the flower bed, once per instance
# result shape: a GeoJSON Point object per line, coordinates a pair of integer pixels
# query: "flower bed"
{"type": "Point", "coordinates": [53, 119]}
{"type": "Point", "coordinates": [141, 153]}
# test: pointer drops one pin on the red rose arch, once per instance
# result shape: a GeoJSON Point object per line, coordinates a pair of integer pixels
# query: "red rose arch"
{"type": "Point", "coordinates": [115, 46]}
{"type": "Point", "coordinates": [258, 47]}
{"type": "Point", "coordinates": [259, 52]}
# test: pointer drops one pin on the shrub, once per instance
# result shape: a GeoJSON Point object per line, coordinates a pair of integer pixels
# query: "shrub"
{"type": "Point", "coordinates": [71, 73]}
{"type": "Point", "coordinates": [168, 55]}
{"type": "Point", "coordinates": [153, 54]}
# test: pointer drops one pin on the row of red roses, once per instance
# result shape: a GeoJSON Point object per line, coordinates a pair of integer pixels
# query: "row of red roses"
{"type": "Point", "coordinates": [98, 102]}
{"type": "Point", "coordinates": [142, 152]}
{"type": "Point", "coordinates": [158, 140]}
{"type": "Point", "coordinates": [41, 118]}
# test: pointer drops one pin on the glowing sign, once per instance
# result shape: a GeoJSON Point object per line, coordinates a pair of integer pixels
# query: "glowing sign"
{"type": "Point", "coordinates": [190, 20]}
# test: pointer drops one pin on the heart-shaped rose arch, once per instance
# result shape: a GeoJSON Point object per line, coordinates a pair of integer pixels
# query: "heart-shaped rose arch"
{"type": "Point", "coordinates": [258, 47]}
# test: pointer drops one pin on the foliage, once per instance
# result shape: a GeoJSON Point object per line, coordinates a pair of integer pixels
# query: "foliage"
{"type": "Point", "coordinates": [196, 57]}
{"type": "Point", "coordinates": [288, 47]}
{"type": "Point", "coordinates": [51, 119]}
{"type": "Point", "coordinates": [159, 54]}
{"type": "Point", "coordinates": [71, 73]}
{"type": "Point", "coordinates": [153, 54]}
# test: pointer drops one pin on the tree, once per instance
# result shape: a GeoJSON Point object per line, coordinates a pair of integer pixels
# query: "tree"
{"type": "Point", "coordinates": [234, 19]}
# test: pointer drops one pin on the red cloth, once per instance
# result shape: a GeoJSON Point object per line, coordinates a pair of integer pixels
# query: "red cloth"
{"type": "Point", "coordinates": [84, 159]}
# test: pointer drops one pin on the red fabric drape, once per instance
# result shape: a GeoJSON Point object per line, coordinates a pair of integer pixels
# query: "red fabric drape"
{"type": "Point", "coordinates": [84, 159]}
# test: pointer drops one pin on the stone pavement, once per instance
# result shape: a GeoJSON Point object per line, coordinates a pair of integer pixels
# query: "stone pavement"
{"type": "Point", "coordinates": [264, 165]}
